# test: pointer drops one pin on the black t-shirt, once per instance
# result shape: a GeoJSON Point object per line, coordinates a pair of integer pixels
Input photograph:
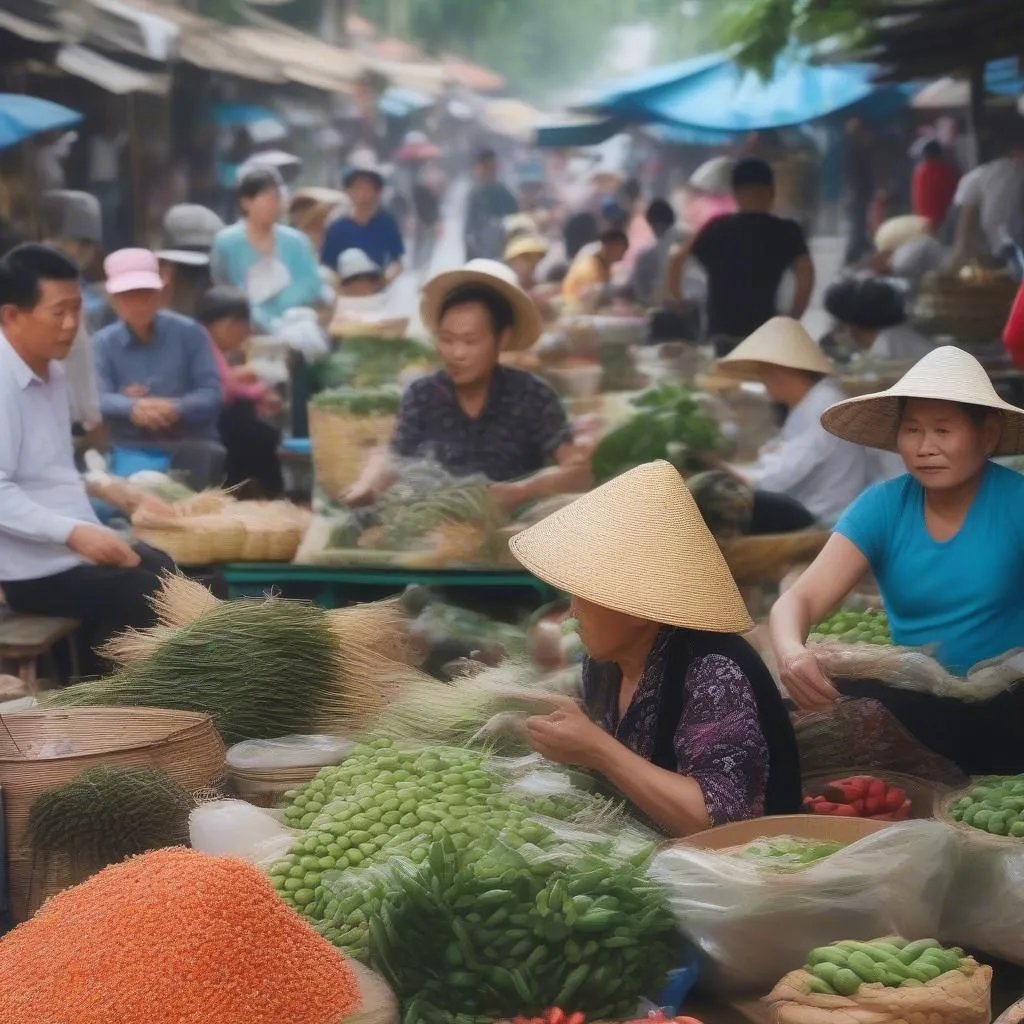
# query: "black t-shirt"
{"type": "Point", "coordinates": [745, 256]}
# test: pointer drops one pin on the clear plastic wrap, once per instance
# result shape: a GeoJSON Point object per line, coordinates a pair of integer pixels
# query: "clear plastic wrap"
{"type": "Point", "coordinates": [753, 925]}
{"type": "Point", "coordinates": [234, 828]}
{"type": "Point", "coordinates": [296, 751]}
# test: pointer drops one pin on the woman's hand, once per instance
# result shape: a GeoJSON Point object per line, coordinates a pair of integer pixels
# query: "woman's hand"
{"type": "Point", "coordinates": [805, 682]}
{"type": "Point", "coordinates": [567, 736]}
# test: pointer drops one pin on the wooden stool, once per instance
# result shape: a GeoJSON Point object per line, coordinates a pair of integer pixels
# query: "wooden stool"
{"type": "Point", "coordinates": [24, 639]}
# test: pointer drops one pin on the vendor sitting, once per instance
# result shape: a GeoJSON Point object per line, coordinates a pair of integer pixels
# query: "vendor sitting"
{"type": "Point", "coordinates": [680, 714]}
{"type": "Point", "coordinates": [475, 415]}
{"type": "Point", "coordinates": [158, 381]}
{"type": "Point", "coordinates": [872, 314]}
{"type": "Point", "coordinates": [524, 253]}
{"type": "Point", "coordinates": [361, 285]}
{"type": "Point", "coordinates": [55, 557]}
{"type": "Point", "coordinates": [805, 462]}
{"type": "Point", "coordinates": [189, 232]}
{"type": "Point", "coordinates": [587, 286]}
{"type": "Point", "coordinates": [946, 544]}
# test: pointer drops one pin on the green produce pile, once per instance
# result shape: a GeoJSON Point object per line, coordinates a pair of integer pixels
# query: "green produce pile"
{"type": "Point", "coordinates": [787, 851]}
{"type": "Point", "coordinates": [379, 401]}
{"type": "Point", "coordinates": [437, 621]}
{"type": "Point", "coordinates": [869, 627]}
{"type": "Point", "coordinates": [519, 929]}
{"type": "Point", "coordinates": [842, 968]}
{"type": "Point", "coordinates": [669, 424]}
{"type": "Point", "coordinates": [371, 362]}
{"type": "Point", "coordinates": [995, 806]}
{"type": "Point", "coordinates": [106, 814]}
{"type": "Point", "coordinates": [384, 801]}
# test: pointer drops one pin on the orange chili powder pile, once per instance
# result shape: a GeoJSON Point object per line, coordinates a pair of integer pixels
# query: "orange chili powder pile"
{"type": "Point", "coordinates": [172, 937]}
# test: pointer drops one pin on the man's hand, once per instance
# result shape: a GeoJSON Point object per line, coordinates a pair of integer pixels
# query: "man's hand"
{"type": "Point", "coordinates": [154, 413]}
{"type": "Point", "coordinates": [358, 494]}
{"type": "Point", "coordinates": [508, 496]}
{"type": "Point", "coordinates": [101, 546]}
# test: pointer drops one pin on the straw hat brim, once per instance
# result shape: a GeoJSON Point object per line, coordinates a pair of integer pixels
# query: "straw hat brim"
{"type": "Point", "coordinates": [638, 545]}
{"type": "Point", "coordinates": [780, 341]}
{"type": "Point", "coordinates": [873, 420]}
{"type": "Point", "coordinates": [526, 321]}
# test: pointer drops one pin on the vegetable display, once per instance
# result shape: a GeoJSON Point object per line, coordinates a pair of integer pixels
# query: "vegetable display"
{"type": "Point", "coordinates": [870, 627]}
{"type": "Point", "coordinates": [995, 805]}
{"type": "Point", "coordinates": [371, 362]}
{"type": "Point", "coordinates": [842, 968]}
{"type": "Point", "coordinates": [787, 851]}
{"type": "Point", "coordinates": [669, 424]}
{"type": "Point", "coordinates": [520, 928]}
{"type": "Point", "coordinates": [167, 937]}
{"type": "Point", "coordinates": [861, 796]}
{"type": "Point", "coordinates": [380, 401]}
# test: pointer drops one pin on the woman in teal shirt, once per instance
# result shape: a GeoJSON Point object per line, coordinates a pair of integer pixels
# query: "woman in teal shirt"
{"type": "Point", "coordinates": [946, 545]}
{"type": "Point", "coordinates": [274, 265]}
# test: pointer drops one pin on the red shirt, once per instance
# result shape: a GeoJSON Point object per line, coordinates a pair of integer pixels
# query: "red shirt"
{"type": "Point", "coordinates": [1013, 333]}
{"type": "Point", "coordinates": [935, 184]}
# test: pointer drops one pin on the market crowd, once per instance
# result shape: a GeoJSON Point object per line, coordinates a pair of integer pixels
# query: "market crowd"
{"type": "Point", "coordinates": [679, 712]}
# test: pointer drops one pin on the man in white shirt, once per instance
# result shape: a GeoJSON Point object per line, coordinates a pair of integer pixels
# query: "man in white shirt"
{"type": "Point", "coordinates": [55, 557]}
{"type": "Point", "coordinates": [991, 198]}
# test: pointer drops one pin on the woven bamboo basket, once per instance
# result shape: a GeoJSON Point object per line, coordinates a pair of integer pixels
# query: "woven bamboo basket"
{"type": "Point", "coordinates": [767, 558]}
{"type": "Point", "coordinates": [265, 789]}
{"type": "Point", "coordinates": [192, 539]}
{"type": "Point", "coordinates": [925, 797]}
{"type": "Point", "coordinates": [273, 530]}
{"type": "Point", "coordinates": [342, 444]}
{"type": "Point", "coordinates": [41, 750]}
{"type": "Point", "coordinates": [973, 311]}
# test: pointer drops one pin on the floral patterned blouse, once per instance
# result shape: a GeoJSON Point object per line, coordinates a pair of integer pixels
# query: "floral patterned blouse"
{"type": "Point", "coordinates": [719, 742]}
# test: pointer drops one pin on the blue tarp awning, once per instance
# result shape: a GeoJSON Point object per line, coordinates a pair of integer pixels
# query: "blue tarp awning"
{"type": "Point", "coordinates": [24, 116]}
{"type": "Point", "coordinates": [1004, 78]}
{"type": "Point", "coordinates": [715, 94]}
{"type": "Point", "coordinates": [577, 133]}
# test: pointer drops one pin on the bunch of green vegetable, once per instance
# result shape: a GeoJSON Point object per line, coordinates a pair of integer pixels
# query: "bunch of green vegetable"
{"type": "Point", "coordinates": [842, 968]}
{"type": "Point", "coordinates": [384, 802]}
{"type": "Point", "coordinates": [669, 424]}
{"type": "Point", "coordinates": [371, 362]}
{"type": "Point", "coordinates": [380, 401]}
{"type": "Point", "coordinates": [106, 814]}
{"type": "Point", "coordinates": [787, 851]}
{"type": "Point", "coordinates": [870, 627]}
{"type": "Point", "coordinates": [995, 805]}
{"type": "Point", "coordinates": [519, 929]}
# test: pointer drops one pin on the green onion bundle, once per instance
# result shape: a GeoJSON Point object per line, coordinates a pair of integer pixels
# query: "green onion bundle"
{"type": "Point", "coordinates": [381, 401]}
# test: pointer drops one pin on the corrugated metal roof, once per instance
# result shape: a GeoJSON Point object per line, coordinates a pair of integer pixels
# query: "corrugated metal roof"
{"type": "Point", "coordinates": [108, 74]}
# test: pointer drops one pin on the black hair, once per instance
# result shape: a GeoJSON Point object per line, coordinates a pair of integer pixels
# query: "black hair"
{"type": "Point", "coordinates": [752, 172]}
{"type": "Point", "coordinates": [557, 272]}
{"type": "Point", "coordinates": [223, 303]}
{"type": "Point", "coordinates": [613, 236]}
{"type": "Point", "coordinates": [499, 309]}
{"type": "Point", "coordinates": [871, 303]}
{"type": "Point", "coordinates": [660, 215]}
{"type": "Point", "coordinates": [24, 269]}
{"type": "Point", "coordinates": [257, 180]}
{"type": "Point", "coordinates": [580, 229]}
{"type": "Point", "coordinates": [932, 148]}
{"type": "Point", "coordinates": [631, 190]}
{"type": "Point", "coordinates": [486, 156]}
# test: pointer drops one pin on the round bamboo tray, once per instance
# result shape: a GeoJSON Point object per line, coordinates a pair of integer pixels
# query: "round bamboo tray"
{"type": "Point", "coordinates": [925, 797]}
{"type": "Point", "coordinates": [767, 558]}
{"type": "Point", "coordinates": [273, 530]}
{"type": "Point", "coordinates": [973, 311]}
{"type": "Point", "coordinates": [192, 540]}
{"type": "Point", "coordinates": [42, 749]}
{"type": "Point", "coordinates": [342, 444]}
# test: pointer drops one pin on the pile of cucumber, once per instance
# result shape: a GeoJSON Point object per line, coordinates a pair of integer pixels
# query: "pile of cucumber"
{"type": "Point", "coordinates": [842, 968]}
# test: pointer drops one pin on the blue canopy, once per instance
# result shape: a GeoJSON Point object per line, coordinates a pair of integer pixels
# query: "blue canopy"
{"type": "Point", "coordinates": [1003, 77]}
{"type": "Point", "coordinates": [715, 94]}
{"type": "Point", "coordinates": [24, 116]}
{"type": "Point", "coordinates": [239, 115]}
{"type": "Point", "coordinates": [578, 133]}
{"type": "Point", "coordinates": [652, 80]}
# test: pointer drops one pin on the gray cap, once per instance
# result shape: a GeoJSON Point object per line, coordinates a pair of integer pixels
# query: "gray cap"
{"type": "Point", "coordinates": [190, 226]}
{"type": "Point", "coordinates": [72, 215]}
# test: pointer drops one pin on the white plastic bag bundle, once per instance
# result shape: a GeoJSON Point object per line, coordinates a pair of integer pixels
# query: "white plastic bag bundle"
{"type": "Point", "coordinates": [753, 925]}
{"type": "Point", "coordinates": [234, 828]}
{"type": "Point", "coordinates": [300, 330]}
{"type": "Point", "coordinates": [296, 751]}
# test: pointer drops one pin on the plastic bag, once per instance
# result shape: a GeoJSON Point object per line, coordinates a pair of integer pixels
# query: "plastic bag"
{"type": "Point", "coordinates": [288, 752]}
{"type": "Point", "coordinates": [908, 668]}
{"type": "Point", "coordinates": [300, 330]}
{"type": "Point", "coordinates": [863, 732]}
{"type": "Point", "coordinates": [753, 925]}
{"type": "Point", "coordinates": [234, 828]}
{"type": "Point", "coordinates": [984, 909]}
{"type": "Point", "coordinates": [952, 998]}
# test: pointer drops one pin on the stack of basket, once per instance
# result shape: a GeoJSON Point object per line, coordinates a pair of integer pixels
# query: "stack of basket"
{"type": "Point", "coordinates": [41, 750]}
{"type": "Point", "coordinates": [972, 306]}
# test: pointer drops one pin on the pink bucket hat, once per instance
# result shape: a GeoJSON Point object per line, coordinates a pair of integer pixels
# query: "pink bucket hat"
{"type": "Point", "coordinates": [132, 270]}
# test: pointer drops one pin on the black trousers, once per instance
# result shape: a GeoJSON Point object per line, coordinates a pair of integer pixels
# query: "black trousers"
{"type": "Point", "coordinates": [778, 513]}
{"type": "Point", "coordinates": [981, 738]}
{"type": "Point", "coordinates": [105, 599]}
{"type": "Point", "coordinates": [251, 445]}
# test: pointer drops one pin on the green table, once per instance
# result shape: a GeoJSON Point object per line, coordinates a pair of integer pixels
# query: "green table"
{"type": "Point", "coordinates": [336, 587]}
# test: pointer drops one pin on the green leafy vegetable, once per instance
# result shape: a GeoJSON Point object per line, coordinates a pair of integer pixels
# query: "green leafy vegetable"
{"type": "Point", "coordinates": [382, 401]}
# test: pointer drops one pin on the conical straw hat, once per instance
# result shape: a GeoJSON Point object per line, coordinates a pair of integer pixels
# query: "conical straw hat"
{"type": "Point", "coordinates": [782, 341]}
{"type": "Point", "coordinates": [638, 545]}
{"type": "Point", "coordinates": [946, 374]}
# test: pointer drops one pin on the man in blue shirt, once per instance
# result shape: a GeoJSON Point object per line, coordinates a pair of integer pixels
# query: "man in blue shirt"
{"type": "Point", "coordinates": [159, 384]}
{"type": "Point", "coordinates": [368, 226]}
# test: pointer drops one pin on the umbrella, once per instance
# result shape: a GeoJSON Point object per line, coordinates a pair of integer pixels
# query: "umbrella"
{"type": "Point", "coordinates": [24, 116]}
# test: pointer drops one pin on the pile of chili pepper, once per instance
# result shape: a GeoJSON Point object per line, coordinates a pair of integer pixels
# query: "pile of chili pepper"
{"type": "Point", "coordinates": [861, 796]}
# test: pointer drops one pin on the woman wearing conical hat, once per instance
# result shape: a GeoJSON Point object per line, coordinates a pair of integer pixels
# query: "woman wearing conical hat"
{"type": "Point", "coordinates": [946, 544]}
{"type": "Point", "coordinates": [679, 713]}
{"type": "Point", "coordinates": [805, 463]}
